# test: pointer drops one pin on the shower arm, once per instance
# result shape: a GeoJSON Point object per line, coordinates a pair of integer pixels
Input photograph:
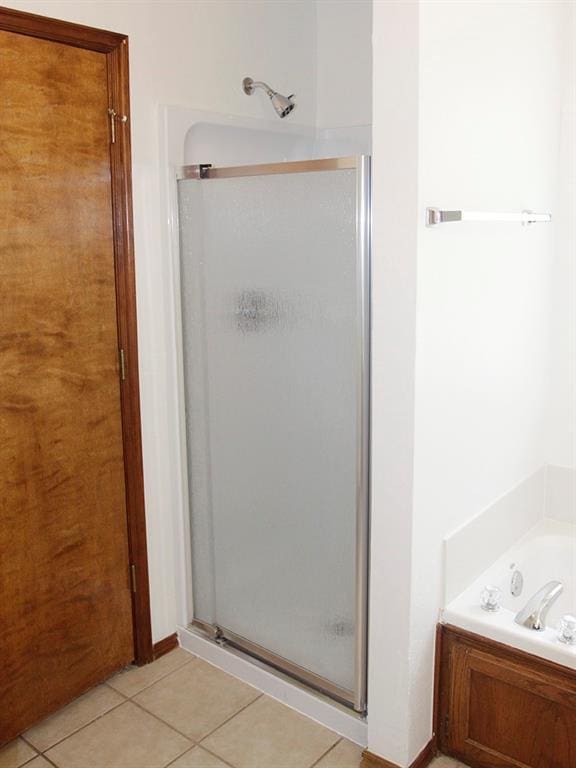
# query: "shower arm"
{"type": "Point", "coordinates": [259, 84]}
{"type": "Point", "coordinates": [250, 86]}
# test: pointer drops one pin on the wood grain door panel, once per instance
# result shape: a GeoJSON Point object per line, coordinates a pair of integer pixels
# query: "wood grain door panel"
{"type": "Point", "coordinates": [65, 600]}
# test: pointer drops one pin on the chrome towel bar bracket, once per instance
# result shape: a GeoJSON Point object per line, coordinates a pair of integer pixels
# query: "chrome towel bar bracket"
{"type": "Point", "coordinates": [435, 216]}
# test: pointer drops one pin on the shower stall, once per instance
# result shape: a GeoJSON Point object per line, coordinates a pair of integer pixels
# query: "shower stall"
{"type": "Point", "coordinates": [274, 274]}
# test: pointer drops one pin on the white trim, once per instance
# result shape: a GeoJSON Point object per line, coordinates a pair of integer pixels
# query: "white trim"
{"type": "Point", "coordinates": [275, 685]}
{"type": "Point", "coordinates": [169, 160]}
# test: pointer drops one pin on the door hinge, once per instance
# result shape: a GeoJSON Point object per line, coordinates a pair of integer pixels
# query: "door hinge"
{"type": "Point", "coordinates": [133, 577]}
{"type": "Point", "coordinates": [446, 727]}
{"type": "Point", "coordinates": [122, 365]}
{"type": "Point", "coordinates": [113, 115]}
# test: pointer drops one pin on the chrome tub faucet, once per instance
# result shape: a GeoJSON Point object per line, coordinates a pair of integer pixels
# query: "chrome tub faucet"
{"type": "Point", "coordinates": [533, 615]}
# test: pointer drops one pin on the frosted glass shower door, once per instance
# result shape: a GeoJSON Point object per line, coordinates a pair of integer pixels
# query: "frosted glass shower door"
{"type": "Point", "coordinates": [274, 269]}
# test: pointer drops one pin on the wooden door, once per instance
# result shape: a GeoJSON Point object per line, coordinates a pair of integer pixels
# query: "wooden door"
{"type": "Point", "coordinates": [66, 608]}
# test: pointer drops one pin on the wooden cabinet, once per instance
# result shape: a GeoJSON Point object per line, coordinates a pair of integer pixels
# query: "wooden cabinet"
{"type": "Point", "coordinates": [502, 708]}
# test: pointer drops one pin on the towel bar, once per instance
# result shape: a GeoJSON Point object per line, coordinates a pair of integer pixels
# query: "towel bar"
{"type": "Point", "coordinates": [435, 216]}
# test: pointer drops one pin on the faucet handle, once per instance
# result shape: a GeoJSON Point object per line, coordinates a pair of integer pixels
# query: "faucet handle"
{"type": "Point", "coordinates": [567, 630]}
{"type": "Point", "coordinates": [490, 598]}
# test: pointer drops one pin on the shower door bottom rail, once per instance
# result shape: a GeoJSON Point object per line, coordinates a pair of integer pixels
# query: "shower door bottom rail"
{"type": "Point", "coordinates": [279, 663]}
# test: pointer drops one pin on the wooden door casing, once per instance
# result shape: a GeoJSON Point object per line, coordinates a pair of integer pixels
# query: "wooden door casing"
{"type": "Point", "coordinates": [72, 514]}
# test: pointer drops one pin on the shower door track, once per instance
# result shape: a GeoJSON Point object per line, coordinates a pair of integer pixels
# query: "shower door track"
{"type": "Point", "coordinates": [279, 663]}
{"type": "Point", "coordinates": [357, 698]}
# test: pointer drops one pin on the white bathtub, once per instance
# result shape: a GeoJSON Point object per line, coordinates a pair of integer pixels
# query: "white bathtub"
{"type": "Point", "coordinates": [547, 552]}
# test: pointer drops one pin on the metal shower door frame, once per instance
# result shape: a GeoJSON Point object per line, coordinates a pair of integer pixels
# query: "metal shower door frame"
{"type": "Point", "coordinates": [362, 165]}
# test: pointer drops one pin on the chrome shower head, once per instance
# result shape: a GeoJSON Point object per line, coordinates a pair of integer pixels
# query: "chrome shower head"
{"type": "Point", "coordinates": [282, 104]}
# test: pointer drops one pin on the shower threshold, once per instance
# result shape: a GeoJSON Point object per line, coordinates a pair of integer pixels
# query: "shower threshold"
{"type": "Point", "coordinates": [227, 639]}
{"type": "Point", "coordinates": [277, 684]}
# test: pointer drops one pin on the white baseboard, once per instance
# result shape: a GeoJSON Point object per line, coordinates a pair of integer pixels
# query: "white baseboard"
{"type": "Point", "coordinates": [275, 685]}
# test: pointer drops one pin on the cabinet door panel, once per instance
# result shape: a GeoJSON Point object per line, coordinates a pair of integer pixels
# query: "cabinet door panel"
{"type": "Point", "coordinates": [501, 708]}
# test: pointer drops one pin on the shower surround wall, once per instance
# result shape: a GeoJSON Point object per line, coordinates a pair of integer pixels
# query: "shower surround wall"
{"type": "Point", "coordinates": [467, 393]}
{"type": "Point", "coordinates": [343, 82]}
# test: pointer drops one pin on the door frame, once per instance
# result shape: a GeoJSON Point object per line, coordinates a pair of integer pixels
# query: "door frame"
{"type": "Point", "coordinates": [115, 47]}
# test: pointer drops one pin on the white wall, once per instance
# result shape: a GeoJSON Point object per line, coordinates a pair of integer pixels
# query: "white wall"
{"type": "Point", "coordinates": [344, 63]}
{"type": "Point", "coordinates": [490, 130]}
{"type": "Point", "coordinates": [563, 328]}
{"type": "Point", "coordinates": [489, 94]}
{"type": "Point", "coordinates": [192, 53]}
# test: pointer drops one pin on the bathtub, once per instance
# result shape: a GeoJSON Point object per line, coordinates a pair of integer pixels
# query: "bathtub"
{"type": "Point", "coordinates": [546, 552]}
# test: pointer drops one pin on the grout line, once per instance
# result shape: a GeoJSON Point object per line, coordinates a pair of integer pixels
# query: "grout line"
{"type": "Point", "coordinates": [194, 743]}
{"type": "Point", "coordinates": [48, 760]}
{"type": "Point", "coordinates": [25, 740]}
{"type": "Point", "coordinates": [116, 706]}
{"type": "Point", "coordinates": [323, 755]}
{"type": "Point", "coordinates": [217, 756]}
{"type": "Point", "coordinates": [31, 747]}
{"type": "Point", "coordinates": [165, 722]}
{"type": "Point", "coordinates": [179, 756]}
{"type": "Point", "coordinates": [126, 698]}
{"type": "Point", "coordinates": [157, 680]}
{"type": "Point", "coordinates": [98, 717]}
{"type": "Point", "coordinates": [223, 723]}
{"type": "Point", "coordinates": [197, 746]}
{"type": "Point", "coordinates": [106, 683]}
{"type": "Point", "coordinates": [80, 728]}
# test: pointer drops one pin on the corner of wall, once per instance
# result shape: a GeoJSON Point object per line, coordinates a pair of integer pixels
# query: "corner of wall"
{"type": "Point", "coordinates": [560, 500]}
{"type": "Point", "coordinates": [477, 543]}
{"type": "Point", "coordinates": [395, 214]}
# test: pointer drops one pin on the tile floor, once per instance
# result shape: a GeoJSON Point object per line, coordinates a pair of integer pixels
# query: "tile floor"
{"type": "Point", "coordinates": [180, 712]}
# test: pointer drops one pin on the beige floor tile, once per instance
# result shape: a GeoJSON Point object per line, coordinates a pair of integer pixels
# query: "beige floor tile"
{"type": "Point", "coordinates": [344, 755]}
{"type": "Point", "coordinates": [446, 762]}
{"type": "Point", "coordinates": [267, 734]}
{"type": "Point", "coordinates": [198, 758]}
{"type": "Point", "coordinates": [196, 699]}
{"type": "Point", "coordinates": [39, 762]}
{"type": "Point", "coordinates": [16, 754]}
{"type": "Point", "coordinates": [73, 717]}
{"type": "Point", "coordinates": [126, 737]}
{"type": "Point", "coordinates": [132, 680]}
